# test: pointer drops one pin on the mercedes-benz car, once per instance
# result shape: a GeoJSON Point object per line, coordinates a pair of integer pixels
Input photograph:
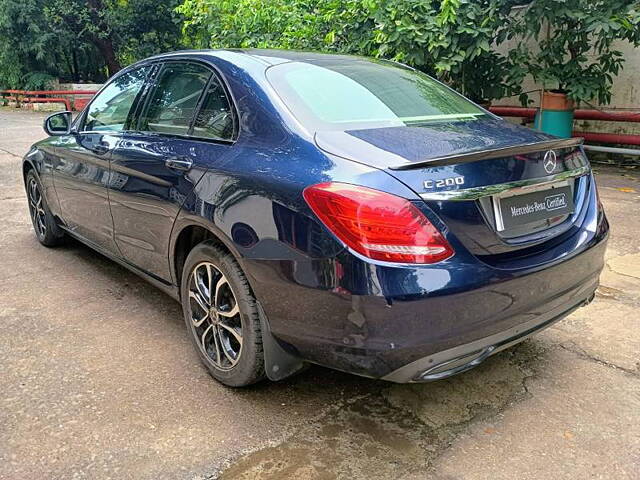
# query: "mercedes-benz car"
{"type": "Point", "coordinates": [335, 210]}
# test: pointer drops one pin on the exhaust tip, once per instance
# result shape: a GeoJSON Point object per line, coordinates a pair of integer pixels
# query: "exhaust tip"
{"type": "Point", "coordinates": [454, 366]}
{"type": "Point", "coordinates": [589, 300]}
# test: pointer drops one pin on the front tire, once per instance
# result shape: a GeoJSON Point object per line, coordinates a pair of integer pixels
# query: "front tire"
{"type": "Point", "coordinates": [44, 224]}
{"type": "Point", "coordinates": [221, 316]}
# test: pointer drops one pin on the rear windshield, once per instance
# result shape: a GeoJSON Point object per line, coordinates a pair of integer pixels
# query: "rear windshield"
{"type": "Point", "coordinates": [360, 94]}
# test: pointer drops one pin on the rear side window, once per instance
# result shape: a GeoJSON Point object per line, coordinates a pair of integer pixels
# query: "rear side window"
{"type": "Point", "coordinates": [215, 117]}
{"type": "Point", "coordinates": [110, 110]}
{"type": "Point", "coordinates": [174, 100]}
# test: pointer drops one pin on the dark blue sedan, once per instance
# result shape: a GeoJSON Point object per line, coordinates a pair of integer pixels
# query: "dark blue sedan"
{"type": "Point", "coordinates": [337, 210]}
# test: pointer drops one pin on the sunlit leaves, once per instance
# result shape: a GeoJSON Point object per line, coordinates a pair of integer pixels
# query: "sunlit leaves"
{"type": "Point", "coordinates": [451, 39]}
{"type": "Point", "coordinates": [575, 44]}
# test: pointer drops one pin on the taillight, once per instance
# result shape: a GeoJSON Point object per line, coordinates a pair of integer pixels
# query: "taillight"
{"type": "Point", "coordinates": [377, 224]}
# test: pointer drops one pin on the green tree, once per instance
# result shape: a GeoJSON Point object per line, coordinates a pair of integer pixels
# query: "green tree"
{"type": "Point", "coordinates": [295, 24]}
{"type": "Point", "coordinates": [451, 39]}
{"type": "Point", "coordinates": [570, 45]}
{"type": "Point", "coordinates": [81, 39]}
{"type": "Point", "coordinates": [27, 47]}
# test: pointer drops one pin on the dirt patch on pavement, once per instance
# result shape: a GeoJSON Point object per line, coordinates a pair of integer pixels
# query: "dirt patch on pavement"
{"type": "Point", "coordinates": [396, 432]}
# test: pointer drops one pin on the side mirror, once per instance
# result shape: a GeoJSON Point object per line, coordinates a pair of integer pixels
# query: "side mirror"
{"type": "Point", "coordinates": [58, 124]}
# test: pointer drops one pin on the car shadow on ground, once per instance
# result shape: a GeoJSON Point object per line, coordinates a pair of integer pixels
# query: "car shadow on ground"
{"type": "Point", "coordinates": [519, 357]}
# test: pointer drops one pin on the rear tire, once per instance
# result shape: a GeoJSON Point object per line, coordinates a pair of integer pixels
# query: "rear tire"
{"type": "Point", "coordinates": [221, 316]}
{"type": "Point", "coordinates": [44, 224]}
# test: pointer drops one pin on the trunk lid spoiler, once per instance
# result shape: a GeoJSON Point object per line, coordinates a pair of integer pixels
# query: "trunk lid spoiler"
{"type": "Point", "coordinates": [485, 154]}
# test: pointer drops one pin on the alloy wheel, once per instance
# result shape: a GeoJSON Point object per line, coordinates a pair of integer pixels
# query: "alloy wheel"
{"type": "Point", "coordinates": [215, 316]}
{"type": "Point", "coordinates": [36, 208]}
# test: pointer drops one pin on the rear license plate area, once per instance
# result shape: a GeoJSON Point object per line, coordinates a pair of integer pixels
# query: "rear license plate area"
{"type": "Point", "coordinates": [517, 210]}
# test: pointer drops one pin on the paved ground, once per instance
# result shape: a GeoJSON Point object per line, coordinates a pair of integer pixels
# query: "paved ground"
{"type": "Point", "coordinates": [98, 380]}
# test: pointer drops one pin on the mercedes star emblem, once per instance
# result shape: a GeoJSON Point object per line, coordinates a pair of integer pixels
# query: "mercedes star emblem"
{"type": "Point", "coordinates": [550, 161]}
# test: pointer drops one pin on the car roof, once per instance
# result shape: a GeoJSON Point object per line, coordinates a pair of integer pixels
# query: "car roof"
{"type": "Point", "coordinates": [268, 57]}
{"type": "Point", "coordinates": [275, 56]}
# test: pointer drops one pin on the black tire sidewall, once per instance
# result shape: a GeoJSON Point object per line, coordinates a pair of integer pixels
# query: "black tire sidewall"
{"type": "Point", "coordinates": [53, 234]}
{"type": "Point", "coordinates": [250, 367]}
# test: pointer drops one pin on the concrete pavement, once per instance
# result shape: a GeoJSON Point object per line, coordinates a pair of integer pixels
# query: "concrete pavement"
{"type": "Point", "coordinates": [98, 380]}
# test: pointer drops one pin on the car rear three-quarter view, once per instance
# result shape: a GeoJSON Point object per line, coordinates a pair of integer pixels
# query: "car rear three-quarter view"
{"type": "Point", "coordinates": [337, 210]}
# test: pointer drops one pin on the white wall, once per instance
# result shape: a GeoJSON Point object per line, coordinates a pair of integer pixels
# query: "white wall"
{"type": "Point", "coordinates": [79, 86]}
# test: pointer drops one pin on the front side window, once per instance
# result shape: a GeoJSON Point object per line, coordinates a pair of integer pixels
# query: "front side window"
{"type": "Point", "coordinates": [215, 117]}
{"type": "Point", "coordinates": [110, 110]}
{"type": "Point", "coordinates": [174, 100]}
{"type": "Point", "coordinates": [359, 94]}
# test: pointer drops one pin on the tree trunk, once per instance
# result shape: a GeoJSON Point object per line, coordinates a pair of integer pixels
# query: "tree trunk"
{"type": "Point", "coordinates": [103, 43]}
{"type": "Point", "coordinates": [106, 49]}
{"type": "Point", "coordinates": [76, 70]}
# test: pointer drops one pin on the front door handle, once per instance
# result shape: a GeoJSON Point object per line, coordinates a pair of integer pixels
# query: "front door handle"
{"type": "Point", "coordinates": [179, 163]}
{"type": "Point", "coordinates": [100, 148]}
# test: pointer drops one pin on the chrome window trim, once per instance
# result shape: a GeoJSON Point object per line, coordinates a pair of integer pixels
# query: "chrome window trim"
{"type": "Point", "coordinates": [465, 194]}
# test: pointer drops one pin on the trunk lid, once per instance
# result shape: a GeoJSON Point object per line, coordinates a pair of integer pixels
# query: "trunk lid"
{"type": "Point", "coordinates": [500, 188]}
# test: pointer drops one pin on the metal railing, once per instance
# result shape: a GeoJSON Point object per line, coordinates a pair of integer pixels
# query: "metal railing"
{"type": "Point", "coordinates": [67, 97]}
{"type": "Point", "coordinates": [586, 114]}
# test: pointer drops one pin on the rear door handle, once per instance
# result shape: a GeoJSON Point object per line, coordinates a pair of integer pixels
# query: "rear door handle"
{"type": "Point", "coordinates": [179, 163]}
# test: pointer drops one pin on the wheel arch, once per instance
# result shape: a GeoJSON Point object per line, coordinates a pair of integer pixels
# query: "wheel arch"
{"type": "Point", "coordinates": [27, 165]}
{"type": "Point", "coordinates": [189, 231]}
{"type": "Point", "coordinates": [33, 160]}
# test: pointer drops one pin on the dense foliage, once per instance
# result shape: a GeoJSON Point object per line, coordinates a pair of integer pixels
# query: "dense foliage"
{"type": "Point", "coordinates": [451, 39]}
{"type": "Point", "coordinates": [575, 43]}
{"type": "Point", "coordinates": [457, 41]}
{"type": "Point", "coordinates": [80, 39]}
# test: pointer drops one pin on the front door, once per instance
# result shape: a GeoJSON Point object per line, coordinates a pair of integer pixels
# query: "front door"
{"type": "Point", "coordinates": [81, 173]}
{"type": "Point", "coordinates": [155, 168]}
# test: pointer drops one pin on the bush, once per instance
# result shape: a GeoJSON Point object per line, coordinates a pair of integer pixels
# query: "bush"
{"type": "Point", "coordinates": [451, 39]}
{"type": "Point", "coordinates": [37, 81]}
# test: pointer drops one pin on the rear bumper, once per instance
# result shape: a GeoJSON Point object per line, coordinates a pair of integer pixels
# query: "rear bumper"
{"type": "Point", "coordinates": [464, 357]}
{"type": "Point", "coordinates": [400, 337]}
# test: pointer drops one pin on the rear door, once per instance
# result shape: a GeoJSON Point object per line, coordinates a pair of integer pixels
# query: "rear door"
{"type": "Point", "coordinates": [155, 167]}
{"type": "Point", "coordinates": [81, 174]}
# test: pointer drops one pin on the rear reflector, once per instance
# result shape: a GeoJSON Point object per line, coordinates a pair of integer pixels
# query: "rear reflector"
{"type": "Point", "coordinates": [376, 224]}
